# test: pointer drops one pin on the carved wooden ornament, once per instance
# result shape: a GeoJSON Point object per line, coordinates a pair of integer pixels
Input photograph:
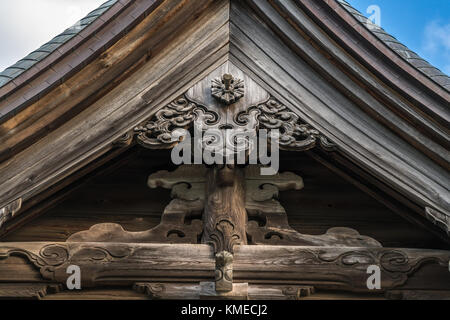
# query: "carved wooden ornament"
{"type": "Point", "coordinates": [225, 205]}
{"type": "Point", "coordinates": [229, 100]}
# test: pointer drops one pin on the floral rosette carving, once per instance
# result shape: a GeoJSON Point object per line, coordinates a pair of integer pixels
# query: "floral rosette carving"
{"type": "Point", "coordinates": [227, 89]}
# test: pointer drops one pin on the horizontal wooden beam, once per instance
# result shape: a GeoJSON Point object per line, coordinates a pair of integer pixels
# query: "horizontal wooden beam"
{"type": "Point", "coordinates": [328, 268]}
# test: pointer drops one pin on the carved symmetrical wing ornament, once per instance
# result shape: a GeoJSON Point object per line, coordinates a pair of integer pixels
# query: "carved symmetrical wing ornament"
{"type": "Point", "coordinates": [228, 206]}
{"type": "Point", "coordinates": [219, 102]}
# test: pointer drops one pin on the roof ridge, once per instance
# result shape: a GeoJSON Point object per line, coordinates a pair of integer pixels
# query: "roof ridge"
{"type": "Point", "coordinates": [13, 71]}
{"type": "Point", "coordinates": [411, 57]}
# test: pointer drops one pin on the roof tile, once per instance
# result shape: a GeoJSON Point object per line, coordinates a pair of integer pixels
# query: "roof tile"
{"type": "Point", "coordinates": [26, 63]}
{"type": "Point", "coordinates": [413, 58]}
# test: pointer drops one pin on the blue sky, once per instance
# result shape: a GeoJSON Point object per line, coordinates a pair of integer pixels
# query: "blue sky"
{"type": "Point", "coordinates": [421, 25]}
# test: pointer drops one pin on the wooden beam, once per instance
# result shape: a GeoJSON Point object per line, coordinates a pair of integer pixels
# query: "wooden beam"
{"type": "Point", "coordinates": [325, 268]}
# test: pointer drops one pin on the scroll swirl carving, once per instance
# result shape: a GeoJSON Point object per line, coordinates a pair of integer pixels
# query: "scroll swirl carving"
{"type": "Point", "coordinates": [224, 214]}
{"type": "Point", "coordinates": [180, 221]}
{"type": "Point", "coordinates": [49, 258]}
{"type": "Point", "coordinates": [160, 132]}
{"type": "Point", "coordinates": [398, 264]}
{"type": "Point", "coordinates": [294, 135]}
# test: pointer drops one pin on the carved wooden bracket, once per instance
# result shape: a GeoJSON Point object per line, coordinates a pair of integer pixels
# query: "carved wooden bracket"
{"type": "Point", "coordinates": [180, 221]}
{"type": "Point", "coordinates": [236, 205]}
{"type": "Point", "coordinates": [224, 207]}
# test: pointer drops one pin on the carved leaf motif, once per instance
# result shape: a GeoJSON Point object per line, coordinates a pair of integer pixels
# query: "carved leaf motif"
{"type": "Point", "coordinates": [224, 237]}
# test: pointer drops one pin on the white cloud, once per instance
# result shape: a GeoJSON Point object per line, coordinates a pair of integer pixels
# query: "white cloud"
{"type": "Point", "coordinates": [437, 42]}
{"type": "Point", "coordinates": [25, 25]}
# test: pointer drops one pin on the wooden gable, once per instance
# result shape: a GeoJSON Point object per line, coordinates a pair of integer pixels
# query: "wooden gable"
{"type": "Point", "coordinates": [373, 156]}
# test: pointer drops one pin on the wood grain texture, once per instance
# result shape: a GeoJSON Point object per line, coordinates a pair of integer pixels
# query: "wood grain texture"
{"type": "Point", "coordinates": [330, 109]}
{"type": "Point", "coordinates": [326, 268]}
{"type": "Point", "coordinates": [375, 126]}
{"type": "Point", "coordinates": [210, 43]}
{"type": "Point", "coordinates": [225, 216]}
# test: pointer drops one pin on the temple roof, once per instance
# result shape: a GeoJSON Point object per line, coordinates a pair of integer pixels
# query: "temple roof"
{"type": "Point", "coordinates": [385, 109]}
{"type": "Point", "coordinates": [403, 51]}
{"type": "Point", "coordinates": [30, 60]}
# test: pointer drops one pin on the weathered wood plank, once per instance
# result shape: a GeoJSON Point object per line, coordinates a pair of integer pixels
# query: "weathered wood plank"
{"type": "Point", "coordinates": [319, 103]}
{"type": "Point", "coordinates": [112, 264]}
{"type": "Point", "coordinates": [194, 54]}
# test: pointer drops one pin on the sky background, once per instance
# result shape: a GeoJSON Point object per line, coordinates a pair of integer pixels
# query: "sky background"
{"type": "Point", "coordinates": [422, 25]}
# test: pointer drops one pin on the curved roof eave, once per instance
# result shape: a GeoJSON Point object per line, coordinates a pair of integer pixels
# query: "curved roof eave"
{"type": "Point", "coordinates": [399, 48]}
{"type": "Point", "coordinates": [12, 72]}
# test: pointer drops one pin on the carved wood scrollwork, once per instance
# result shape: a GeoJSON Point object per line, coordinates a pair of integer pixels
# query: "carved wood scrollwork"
{"type": "Point", "coordinates": [228, 99]}
{"type": "Point", "coordinates": [29, 291]}
{"type": "Point", "coordinates": [267, 219]}
{"type": "Point", "coordinates": [224, 272]}
{"type": "Point", "coordinates": [227, 89]}
{"type": "Point", "coordinates": [161, 131]}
